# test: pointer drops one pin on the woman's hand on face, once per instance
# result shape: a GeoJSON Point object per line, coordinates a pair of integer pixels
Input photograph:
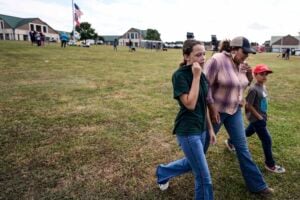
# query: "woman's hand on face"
{"type": "Point", "coordinates": [196, 69]}
{"type": "Point", "coordinates": [246, 67]}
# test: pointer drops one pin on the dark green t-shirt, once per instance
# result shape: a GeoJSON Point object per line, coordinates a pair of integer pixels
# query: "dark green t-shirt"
{"type": "Point", "coordinates": [189, 122]}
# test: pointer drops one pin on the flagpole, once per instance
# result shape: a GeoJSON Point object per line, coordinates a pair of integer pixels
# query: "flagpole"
{"type": "Point", "coordinates": [73, 21]}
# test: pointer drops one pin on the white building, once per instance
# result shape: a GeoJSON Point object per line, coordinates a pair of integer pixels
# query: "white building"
{"type": "Point", "coordinates": [137, 38]}
{"type": "Point", "coordinates": [282, 42]}
{"type": "Point", "coordinates": [16, 28]}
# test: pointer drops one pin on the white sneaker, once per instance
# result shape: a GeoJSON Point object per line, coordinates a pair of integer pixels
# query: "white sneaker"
{"type": "Point", "coordinates": [276, 169]}
{"type": "Point", "coordinates": [164, 186]}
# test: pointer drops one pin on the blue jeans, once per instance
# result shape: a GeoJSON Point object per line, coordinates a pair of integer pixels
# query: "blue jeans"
{"type": "Point", "coordinates": [260, 127]}
{"type": "Point", "coordinates": [195, 161]}
{"type": "Point", "coordinates": [235, 128]}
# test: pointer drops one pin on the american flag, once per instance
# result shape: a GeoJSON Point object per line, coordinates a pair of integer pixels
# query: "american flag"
{"type": "Point", "coordinates": [77, 11]}
{"type": "Point", "coordinates": [76, 19]}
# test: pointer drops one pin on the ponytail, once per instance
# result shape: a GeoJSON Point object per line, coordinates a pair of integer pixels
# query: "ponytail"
{"type": "Point", "coordinates": [187, 49]}
{"type": "Point", "coordinates": [183, 63]}
{"type": "Point", "coordinates": [225, 46]}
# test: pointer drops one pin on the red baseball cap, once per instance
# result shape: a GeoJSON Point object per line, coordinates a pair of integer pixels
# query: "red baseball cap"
{"type": "Point", "coordinates": [261, 68]}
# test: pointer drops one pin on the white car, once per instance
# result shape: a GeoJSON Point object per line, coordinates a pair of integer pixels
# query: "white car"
{"type": "Point", "coordinates": [85, 44]}
{"type": "Point", "coordinates": [297, 52]}
{"type": "Point", "coordinates": [100, 42]}
{"type": "Point", "coordinates": [178, 46]}
{"type": "Point", "coordinates": [90, 41]}
{"type": "Point", "coordinates": [74, 43]}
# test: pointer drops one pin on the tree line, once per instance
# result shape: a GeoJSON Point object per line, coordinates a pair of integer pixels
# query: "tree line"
{"type": "Point", "coordinates": [87, 32]}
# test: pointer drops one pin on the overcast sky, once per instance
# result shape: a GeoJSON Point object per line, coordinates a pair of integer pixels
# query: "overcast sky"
{"type": "Point", "coordinates": [257, 20]}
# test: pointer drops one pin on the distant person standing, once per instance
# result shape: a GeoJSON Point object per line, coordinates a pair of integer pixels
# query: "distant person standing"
{"type": "Point", "coordinates": [63, 39]}
{"type": "Point", "coordinates": [32, 37]}
{"type": "Point", "coordinates": [116, 44]}
{"type": "Point", "coordinates": [130, 45]}
{"type": "Point", "coordinates": [38, 38]}
{"type": "Point", "coordinates": [158, 46]}
{"type": "Point", "coordinates": [42, 39]}
{"type": "Point", "coordinates": [287, 53]}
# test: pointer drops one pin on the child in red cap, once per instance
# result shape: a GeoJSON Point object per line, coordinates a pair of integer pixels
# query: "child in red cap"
{"type": "Point", "coordinates": [256, 112]}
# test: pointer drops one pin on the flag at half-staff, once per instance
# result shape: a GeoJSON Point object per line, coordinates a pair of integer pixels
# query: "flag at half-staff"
{"type": "Point", "coordinates": [76, 19]}
{"type": "Point", "coordinates": [77, 14]}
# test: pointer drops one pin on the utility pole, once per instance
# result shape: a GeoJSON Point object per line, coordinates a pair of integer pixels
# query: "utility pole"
{"type": "Point", "coordinates": [73, 16]}
{"type": "Point", "coordinates": [281, 44]}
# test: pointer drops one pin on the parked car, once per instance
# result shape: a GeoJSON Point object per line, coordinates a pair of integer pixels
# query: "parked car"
{"type": "Point", "coordinates": [297, 52]}
{"type": "Point", "coordinates": [79, 43]}
{"type": "Point", "coordinates": [99, 42]}
{"type": "Point", "coordinates": [52, 40]}
{"type": "Point", "coordinates": [85, 44]}
{"type": "Point", "coordinates": [171, 45]}
{"type": "Point", "coordinates": [90, 41]}
{"type": "Point", "coordinates": [74, 43]}
{"type": "Point", "coordinates": [178, 46]}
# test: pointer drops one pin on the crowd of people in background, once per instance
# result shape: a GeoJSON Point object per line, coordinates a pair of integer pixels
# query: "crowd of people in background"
{"type": "Point", "coordinates": [116, 45]}
{"type": "Point", "coordinates": [37, 38]}
{"type": "Point", "coordinates": [63, 39]}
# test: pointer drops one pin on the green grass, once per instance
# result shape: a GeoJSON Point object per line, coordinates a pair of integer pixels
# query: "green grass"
{"type": "Point", "coordinates": [90, 123]}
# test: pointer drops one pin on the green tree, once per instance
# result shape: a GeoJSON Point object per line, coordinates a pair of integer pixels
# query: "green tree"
{"type": "Point", "coordinates": [152, 34]}
{"type": "Point", "coordinates": [95, 37]}
{"type": "Point", "coordinates": [86, 31]}
{"type": "Point", "coordinates": [101, 38]}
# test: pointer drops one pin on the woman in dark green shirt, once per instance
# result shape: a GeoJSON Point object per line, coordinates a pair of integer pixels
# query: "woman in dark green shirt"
{"type": "Point", "coordinates": [190, 90]}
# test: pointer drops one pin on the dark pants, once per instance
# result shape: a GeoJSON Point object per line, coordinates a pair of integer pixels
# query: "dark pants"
{"type": "Point", "coordinates": [63, 43]}
{"type": "Point", "coordinates": [260, 127]}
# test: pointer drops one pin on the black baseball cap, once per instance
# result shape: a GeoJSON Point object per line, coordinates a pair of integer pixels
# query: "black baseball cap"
{"type": "Point", "coordinates": [243, 43]}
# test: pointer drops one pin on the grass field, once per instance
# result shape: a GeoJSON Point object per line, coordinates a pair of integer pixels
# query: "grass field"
{"type": "Point", "coordinates": [91, 123]}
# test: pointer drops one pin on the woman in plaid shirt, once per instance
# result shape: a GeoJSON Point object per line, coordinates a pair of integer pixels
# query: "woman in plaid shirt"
{"type": "Point", "coordinates": [228, 75]}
